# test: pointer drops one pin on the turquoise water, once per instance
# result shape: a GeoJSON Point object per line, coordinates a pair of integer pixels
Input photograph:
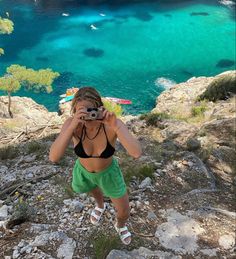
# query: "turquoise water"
{"type": "Point", "coordinates": [130, 48]}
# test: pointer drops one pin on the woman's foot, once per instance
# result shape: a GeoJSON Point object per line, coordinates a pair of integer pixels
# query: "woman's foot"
{"type": "Point", "coordinates": [124, 234]}
{"type": "Point", "coordinates": [97, 214]}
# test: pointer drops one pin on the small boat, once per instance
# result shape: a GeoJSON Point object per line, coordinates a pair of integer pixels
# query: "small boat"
{"type": "Point", "coordinates": [65, 14]}
{"type": "Point", "coordinates": [69, 95]}
{"type": "Point", "coordinates": [102, 14]}
{"type": "Point", "coordinates": [70, 92]}
{"type": "Point", "coordinates": [118, 100]}
{"type": "Point", "coordinates": [93, 27]}
{"type": "Point", "coordinates": [67, 99]}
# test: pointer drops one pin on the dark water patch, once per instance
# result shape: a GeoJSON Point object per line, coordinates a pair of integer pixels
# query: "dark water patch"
{"type": "Point", "coordinates": [168, 5]}
{"type": "Point", "coordinates": [65, 79]}
{"type": "Point", "coordinates": [43, 59]}
{"type": "Point", "coordinates": [199, 14]}
{"type": "Point", "coordinates": [123, 17]}
{"type": "Point", "coordinates": [168, 15]}
{"type": "Point", "coordinates": [93, 52]}
{"type": "Point", "coordinates": [225, 63]}
{"type": "Point", "coordinates": [143, 16]}
{"type": "Point", "coordinates": [102, 22]}
{"type": "Point", "coordinates": [22, 37]}
{"type": "Point", "coordinates": [186, 73]}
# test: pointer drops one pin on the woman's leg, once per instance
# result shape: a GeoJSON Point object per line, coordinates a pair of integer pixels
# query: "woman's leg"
{"type": "Point", "coordinates": [123, 211]}
{"type": "Point", "coordinates": [98, 196]}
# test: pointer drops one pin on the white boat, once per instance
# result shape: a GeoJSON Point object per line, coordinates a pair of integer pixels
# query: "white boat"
{"type": "Point", "coordinates": [65, 14]}
{"type": "Point", "coordinates": [93, 27]}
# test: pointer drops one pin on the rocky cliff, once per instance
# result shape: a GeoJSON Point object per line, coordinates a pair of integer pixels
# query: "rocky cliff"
{"type": "Point", "coordinates": [180, 189]}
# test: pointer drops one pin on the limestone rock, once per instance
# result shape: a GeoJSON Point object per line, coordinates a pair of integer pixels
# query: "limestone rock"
{"type": "Point", "coordinates": [3, 212]}
{"type": "Point", "coordinates": [179, 233]}
{"type": "Point", "coordinates": [141, 253]}
{"type": "Point", "coordinates": [146, 182]}
{"type": "Point", "coordinates": [227, 241]}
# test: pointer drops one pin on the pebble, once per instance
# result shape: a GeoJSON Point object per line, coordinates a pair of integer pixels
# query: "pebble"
{"type": "Point", "coordinates": [112, 211]}
{"type": "Point", "coordinates": [132, 204]}
{"type": "Point", "coordinates": [3, 212]}
{"type": "Point", "coordinates": [146, 182]}
{"type": "Point", "coordinates": [227, 241]}
{"type": "Point", "coordinates": [151, 215]}
{"type": "Point", "coordinates": [138, 204]}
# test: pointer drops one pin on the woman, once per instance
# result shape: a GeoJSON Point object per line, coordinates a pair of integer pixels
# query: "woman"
{"type": "Point", "coordinates": [96, 171]}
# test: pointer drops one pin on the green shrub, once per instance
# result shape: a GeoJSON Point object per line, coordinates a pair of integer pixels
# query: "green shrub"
{"type": "Point", "coordinates": [8, 152]}
{"type": "Point", "coordinates": [205, 153]}
{"type": "Point", "coordinates": [65, 186]}
{"type": "Point", "coordinates": [22, 209]}
{"type": "Point", "coordinates": [146, 171]}
{"type": "Point", "coordinates": [220, 88]}
{"type": "Point", "coordinates": [113, 107]}
{"type": "Point", "coordinates": [153, 118]}
{"type": "Point", "coordinates": [35, 147]}
{"type": "Point", "coordinates": [199, 109]}
{"type": "Point", "coordinates": [103, 244]}
{"type": "Point", "coordinates": [141, 172]}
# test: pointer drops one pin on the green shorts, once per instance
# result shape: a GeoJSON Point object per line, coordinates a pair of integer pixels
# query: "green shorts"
{"type": "Point", "coordinates": [110, 180]}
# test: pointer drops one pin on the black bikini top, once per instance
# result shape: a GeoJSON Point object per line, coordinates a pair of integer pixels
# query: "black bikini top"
{"type": "Point", "coordinates": [79, 149]}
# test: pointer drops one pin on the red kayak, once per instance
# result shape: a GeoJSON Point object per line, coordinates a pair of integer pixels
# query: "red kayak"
{"type": "Point", "coordinates": [118, 100]}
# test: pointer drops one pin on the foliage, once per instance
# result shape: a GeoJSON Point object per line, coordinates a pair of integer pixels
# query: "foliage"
{"type": "Point", "coordinates": [206, 152]}
{"type": "Point", "coordinates": [8, 152]}
{"type": "Point", "coordinates": [9, 84]}
{"type": "Point", "coordinates": [220, 88]}
{"type": "Point", "coordinates": [6, 26]}
{"type": "Point", "coordinates": [17, 75]}
{"type": "Point", "coordinates": [66, 186]}
{"type": "Point", "coordinates": [113, 107]}
{"type": "Point", "coordinates": [199, 109]}
{"type": "Point", "coordinates": [103, 244]}
{"type": "Point", "coordinates": [36, 147]}
{"type": "Point", "coordinates": [22, 209]}
{"type": "Point", "coordinates": [153, 118]}
{"type": "Point", "coordinates": [40, 80]}
{"type": "Point", "coordinates": [1, 51]}
{"type": "Point", "coordinates": [140, 172]}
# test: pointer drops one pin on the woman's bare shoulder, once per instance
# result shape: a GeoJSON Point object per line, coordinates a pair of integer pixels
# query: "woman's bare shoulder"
{"type": "Point", "coordinates": [110, 132]}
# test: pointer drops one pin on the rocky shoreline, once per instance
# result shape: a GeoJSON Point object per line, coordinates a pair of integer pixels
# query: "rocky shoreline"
{"type": "Point", "coordinates": [181, 189]}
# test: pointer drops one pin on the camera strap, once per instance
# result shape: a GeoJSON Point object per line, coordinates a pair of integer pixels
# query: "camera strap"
{"type": "Point", "coordinates": [96, 133]}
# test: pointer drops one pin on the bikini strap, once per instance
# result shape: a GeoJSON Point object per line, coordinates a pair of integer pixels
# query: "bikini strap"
{"type": "Point", "coordinates": [82, 131]}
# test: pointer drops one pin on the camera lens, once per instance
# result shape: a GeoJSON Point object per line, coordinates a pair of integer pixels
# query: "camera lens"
{"type": "Point", "coordinates": [93, 114]}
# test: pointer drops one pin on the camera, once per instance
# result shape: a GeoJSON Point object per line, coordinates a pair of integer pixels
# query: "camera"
{"type": "Point", "coordinates": [94, 114]}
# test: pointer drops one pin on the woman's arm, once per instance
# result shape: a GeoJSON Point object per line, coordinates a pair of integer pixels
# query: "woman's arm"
{"type": "Point", "coordinates": [128, 141]}
{"type": "Point", "coordinates": [59, 146]}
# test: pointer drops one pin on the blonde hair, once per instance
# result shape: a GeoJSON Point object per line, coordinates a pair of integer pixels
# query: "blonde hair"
{"type": "Point", "coordinates": [89, 94]}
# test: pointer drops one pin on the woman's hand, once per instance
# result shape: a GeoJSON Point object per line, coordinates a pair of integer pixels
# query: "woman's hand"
{"type": "Point", "coordinates": [110, 119]}
{"type": "Point", "coordinates": [80, 112]}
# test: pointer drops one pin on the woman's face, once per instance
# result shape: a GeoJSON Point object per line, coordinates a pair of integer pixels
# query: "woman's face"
{"type": "Point", "coordinates": [84, 103]}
